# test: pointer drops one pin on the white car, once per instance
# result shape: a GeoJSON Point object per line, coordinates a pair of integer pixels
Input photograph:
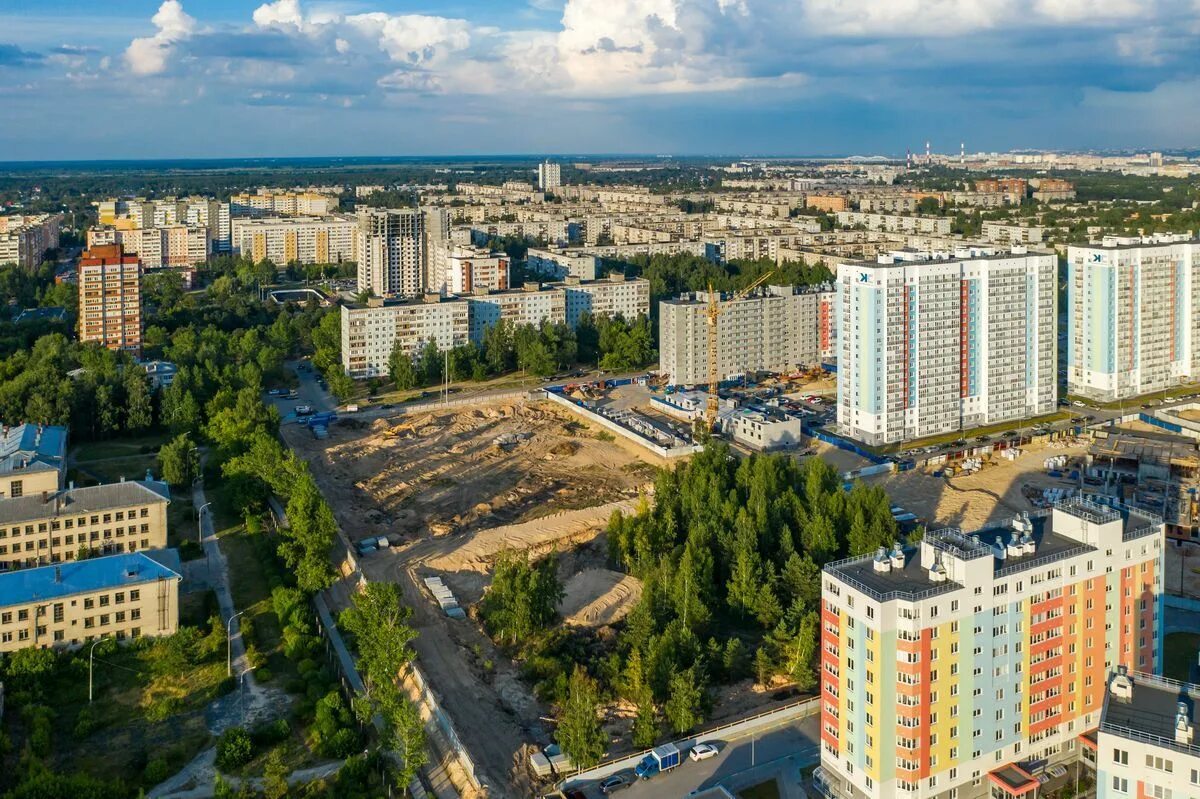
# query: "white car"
{"type": "Point", "coordinates": [702, 752]}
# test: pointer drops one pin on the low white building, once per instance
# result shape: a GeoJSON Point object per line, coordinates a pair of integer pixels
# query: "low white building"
{"type": "Point", "coordinates": [762, 430]}
{"type": "Point", "coordinates": [560, 263]}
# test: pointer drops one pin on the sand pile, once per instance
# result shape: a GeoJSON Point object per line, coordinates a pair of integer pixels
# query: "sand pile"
{"type": "Point", "coordinates": [597, 597]}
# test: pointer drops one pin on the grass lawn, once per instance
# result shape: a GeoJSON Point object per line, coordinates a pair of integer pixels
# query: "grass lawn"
{"type": "Point", "coordinates": [118, 448]}
{"type": "Point", "coordinates": [1179, 655]}
{"type": "Point", "coordinates": [764, 790]}
{"type": "Point", "coordinates": [253, 571]}
{"type": "Point", "coordinates": [144, 709]}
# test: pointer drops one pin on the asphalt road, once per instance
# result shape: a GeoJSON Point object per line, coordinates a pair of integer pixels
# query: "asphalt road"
{"type": "Point", "coordinates": [308, 392]}
{"type": "Point", "coordinates": [798, 740]}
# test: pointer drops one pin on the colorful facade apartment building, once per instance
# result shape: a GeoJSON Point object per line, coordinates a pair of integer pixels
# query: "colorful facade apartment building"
{"type": "Point", "coordinates": [1146, 747]}
{"type": "Point", "coordinates": [945, 664]}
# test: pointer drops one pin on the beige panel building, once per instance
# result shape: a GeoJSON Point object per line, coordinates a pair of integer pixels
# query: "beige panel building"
{"type": "Point", "coordinates": [303, 240]}
{"type": "Point", "coordinates": [371, 332]}
{"type": "Point", "coordinates": [120, 596]}
{"type": "Point", "coordinates": [54, 526]}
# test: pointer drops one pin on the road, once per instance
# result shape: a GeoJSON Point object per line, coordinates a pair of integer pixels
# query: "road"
{"type": "Point", "coordinates": [798, 741]}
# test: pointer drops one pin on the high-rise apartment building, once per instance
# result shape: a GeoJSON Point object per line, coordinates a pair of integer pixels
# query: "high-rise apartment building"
{"type": "Point", "coordinates": [464, 270]}
{"type": "Point", "coordinates": [774, 330]}
{"type": "Point", "coordinates": [933, 346]}
{"type": "Point", "coordinates": [25, 238]}
{"type": "Point", "coordinates": [302, 240]}
{"type": "Point", "coordinates": [549, 176]}
{"type": "Point", "coordinates": [944, 665]}
{"type": "Point", "coordinates": [284, 203]}
{"type": "Point", "coordinates": [391, 252]}
{"type": "Point", "coordinates": [1133, 316]}
{"type": "Point", "coordinates": [192, 212]}
{"type": "Point", "coordinates": [110, 298]}
{"type": "Point", "coordinates": [168, 245]}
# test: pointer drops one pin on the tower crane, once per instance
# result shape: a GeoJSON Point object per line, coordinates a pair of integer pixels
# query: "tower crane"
{"type": "Point", "coordinates": [713, 314]}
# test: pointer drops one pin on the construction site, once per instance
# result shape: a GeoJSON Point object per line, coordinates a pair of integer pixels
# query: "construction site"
{"type": "Point", "coordinates": [452, 488]}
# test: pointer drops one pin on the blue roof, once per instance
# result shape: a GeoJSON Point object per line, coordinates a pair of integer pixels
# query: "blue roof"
{"type": "Point", "coordinates": [87, 576]}
{"type": "Point", "coordinates": [24, 446]}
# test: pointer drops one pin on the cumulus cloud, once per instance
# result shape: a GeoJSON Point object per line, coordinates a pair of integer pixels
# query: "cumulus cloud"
{"type": "Point", "coordinates": [149, 55]}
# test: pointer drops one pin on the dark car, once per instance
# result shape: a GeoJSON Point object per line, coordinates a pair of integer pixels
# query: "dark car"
{"type": "Point", "coordinates": [613, 784]}
{"type": "Point", "coordinates": [575, 793]}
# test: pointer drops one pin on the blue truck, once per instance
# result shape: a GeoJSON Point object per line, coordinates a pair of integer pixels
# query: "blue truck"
{"type": "Point", "coordinates": [661, 758]}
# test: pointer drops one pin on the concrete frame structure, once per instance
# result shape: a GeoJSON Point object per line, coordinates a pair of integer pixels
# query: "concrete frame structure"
{"type": "Point", "coordinates": [777, 329]}
{"type": "Point", "coordinates": [391, 251]}
{"type": "Point", "coordinates": [1133, 316]}
{"type": "Point", "coordinates": [933, 346]}
{"type": "Point", "coordinates": [943, 664]}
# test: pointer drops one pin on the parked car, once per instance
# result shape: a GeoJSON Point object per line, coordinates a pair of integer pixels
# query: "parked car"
{"type": "Point", "coordinates": [275, 392]}
{"type": "Point", "coordinates": [303, 410]}
{"type": "Point", "coordinates": [702, 751]}
{"type": "Point", "coordinates": [614, 783]}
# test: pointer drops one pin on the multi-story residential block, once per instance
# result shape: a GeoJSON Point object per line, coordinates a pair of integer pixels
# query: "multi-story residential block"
{"type": "Point", "coordinates": [25, 238]}
{"type": "Point", "coordinates": [463, 270]}
{"type": "Point", "coordinates": [613, 296]}
{"type": "Point", "coordinates": [270, 203]}
{"type": "Point", "coordinates": [1010, 234]}
{"type": "Point", "coordinates": [1016, 188]}
{"type": "Point", "coordinates": [168, 245]}
{"type": "Point", "coordinates": [829, 203]}
{"type": "Point", "coordinates": [391, 248]}
{"type": "Point", "coordinates": [944, 665]}
{"type": "Point", "coordinates": [561, 263]}
{"type": "Point", "coordinates": [894, 223]}
{"type": "Point", "coordinates": [371, 332]}
{"type": "Point", "coordinates": [934, 346]}
{"type": "Point", "coordinates": [192, 212]}
{"type": "Point", "coordinates": [531, 304]}
{"type": "Point", "coordinates": [121, 596]}
{"type": "Point", "coordinates": [110, 298]}
{"type": "Point", "coordinates": [1133, 316]}
{"type": "Point", "coordinates": [774, 330]}
{"type": "Point", "coordinates": [549, 176]}
{"type": "Point", "coordinates": [1146, 744]}
{"type": "Point", "coordinates": [436, 243]}
{"type": "Point", "coordinates": [1053, 190]}
{"type": "Point", "coordinates": [302, 240]}
{"type": "Point", "coordinates": [55, 525]}
{"type": "Point", "coordinates": [32, 459]}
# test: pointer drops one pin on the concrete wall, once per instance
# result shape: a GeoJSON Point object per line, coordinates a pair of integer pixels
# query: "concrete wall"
{"type": "Point", "coordinates": [625, 432]}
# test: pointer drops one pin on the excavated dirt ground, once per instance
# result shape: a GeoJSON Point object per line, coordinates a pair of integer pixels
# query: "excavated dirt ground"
{"type": "Point", "coordinates": [463, 469]}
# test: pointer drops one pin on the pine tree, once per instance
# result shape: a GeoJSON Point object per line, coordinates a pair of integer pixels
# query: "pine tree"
{"type": "Point", "coordinates": [683, 707]}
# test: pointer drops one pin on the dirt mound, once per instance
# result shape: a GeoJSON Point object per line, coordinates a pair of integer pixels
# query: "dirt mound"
{"type": "Point", "coordinates": [598, 597]}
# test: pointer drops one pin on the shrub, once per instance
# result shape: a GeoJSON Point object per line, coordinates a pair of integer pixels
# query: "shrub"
{"type": "Point", "coordinates": [343, 744]}
{"type": "Point", "coordinates": [156, 771]}
{"type": "Point", "coordinates": [263, 674]}
{"type": "Point", "coordinates": [234, 748]}
{"type": "Point", "coordinates": [270, 733]}
{"type": "Point", "coordinates": [87, 722]}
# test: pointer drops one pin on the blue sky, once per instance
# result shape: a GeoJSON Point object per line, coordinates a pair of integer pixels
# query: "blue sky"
{"type": "Point", "coordinates": [226, 78]}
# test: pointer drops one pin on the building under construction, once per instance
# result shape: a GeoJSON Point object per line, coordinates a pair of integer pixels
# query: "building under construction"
{"type": "Point", "coordinates": [1156, 475]}
{"type": "Point", "coordinates": [775, 329]}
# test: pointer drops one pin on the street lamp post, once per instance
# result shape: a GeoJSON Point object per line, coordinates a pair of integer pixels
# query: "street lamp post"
{"type": "Point", "coordinates": [229, 643]}
{"type": "Point", "coordinates": [200, 524]}
{"type": "Point", "coordinates": [91, 663]}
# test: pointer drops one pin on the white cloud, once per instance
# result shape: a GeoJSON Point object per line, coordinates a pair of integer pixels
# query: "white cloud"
{"type": "Point", "coordinates": [149, 55]}
{"type": "Point", "coordinates": [413, 38]}
{"type": "Point", "coordinates": [1091, 10]}
{"type": "Point", "coordinates": [281, 13]}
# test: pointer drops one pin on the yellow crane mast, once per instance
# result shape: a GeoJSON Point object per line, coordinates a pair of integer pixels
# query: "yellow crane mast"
{"type": "Point", "coordinates": [715, 307]}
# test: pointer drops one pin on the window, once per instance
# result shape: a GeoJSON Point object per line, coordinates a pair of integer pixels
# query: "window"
{"type": "Point", "coordinates": [16, 488]}
{"type": "Point", "coordinates": [1120, 785]}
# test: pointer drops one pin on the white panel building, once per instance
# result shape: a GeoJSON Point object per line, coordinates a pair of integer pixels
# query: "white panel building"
{"type": "Point", "coordinates": [934, 346]}
{"type": "Point", "coordinates": [612, 296]}
{"type": "Point", "coordinates": [371, 332]}
{"type": "Point", "coordinates": [1133, 316]}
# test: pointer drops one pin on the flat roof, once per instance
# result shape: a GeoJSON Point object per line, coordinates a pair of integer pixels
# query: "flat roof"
{"type": "Point", "coordinates": [906, 582]}
{"type": "Point", "coordinates": [951, 260]}
{"type": "Point", "coordinates": [1151, 711]}
{"type": "Point", "coordinates": [1135, 246]}
{"type": "Point", "coordinates": [87, 576]}
{"type": "Point", "coordinates": [72, 501]}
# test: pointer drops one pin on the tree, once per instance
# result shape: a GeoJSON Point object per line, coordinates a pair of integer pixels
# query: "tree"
{"type": "Point", "coordinates": [234, 748]}
{"type": "Point", "coordinates": [522, 599]}
{"type": "Point", "coordinates": [407, 738]}
{"type": "Point", "coordinates": [275, 775]}
{"type": "Point", "coordinates": [683, 707]}
{"type": "Point", "coordinates": [401, 369]}
{"type": "Point", "coordinates": [175, 460]}
{"type": "Point", "coordinates": [579, 732]}
{"type": "Point", "coordinates": [139, 411]}
{"type": "Point", "coordinates": [429, 368]}
{"type": "Point", "coordinates": [382, 633]}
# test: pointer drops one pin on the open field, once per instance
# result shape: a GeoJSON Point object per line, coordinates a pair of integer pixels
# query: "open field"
{"type": "Point", "coordinates": [988, 496]}
{"type": "Point", "coordinates": [463, 469]}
